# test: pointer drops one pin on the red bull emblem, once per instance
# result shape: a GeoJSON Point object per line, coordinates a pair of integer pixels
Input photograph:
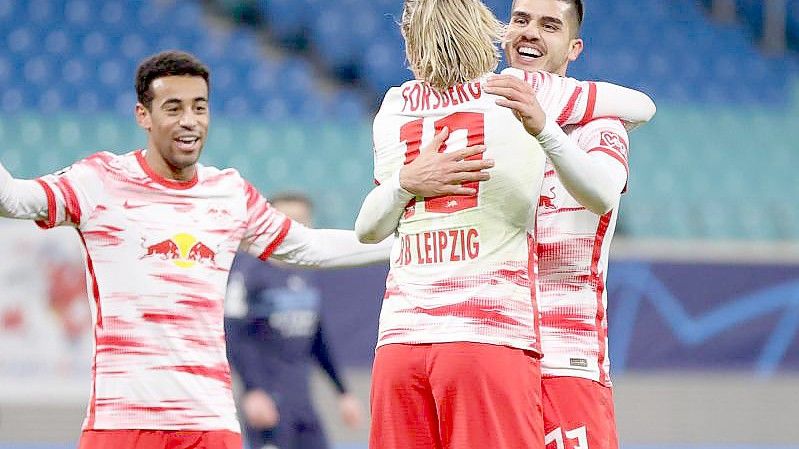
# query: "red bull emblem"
{"type": "Point", "coordinates": [548, 202]}
{"type": "Point", "coordinates": [184, 250]}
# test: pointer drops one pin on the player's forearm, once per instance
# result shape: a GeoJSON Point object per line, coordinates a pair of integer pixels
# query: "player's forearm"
{"type": "Point", "coordinates": [633, 107]}
{"type": "Point", "coordinates": [329, 248]}
{"type": "Point", "coordinates": [381, 211]}
{"type": "Point", "coordinates": [594, 181]}
{"type": "Point", "coordinates": [23, 199]}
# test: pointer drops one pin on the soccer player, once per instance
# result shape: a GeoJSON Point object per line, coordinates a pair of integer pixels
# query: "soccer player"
{"type": "Point", "coordinates": [160, 231]}
{"type": "Point", "coordinates": [274, 336]}
{"type": "Point", "coordinates": [586, 174]}
{"type": "Point", "coordinates": [457, 358]}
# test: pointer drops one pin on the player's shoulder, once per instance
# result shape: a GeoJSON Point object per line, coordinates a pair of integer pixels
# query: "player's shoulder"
{"type": "Point", "coordinates": [395, 95]}
{"type": "Point", "coordinates": [103, 161]}
{"type": "Point", "coordinates": [103, 158]}
{"type": "Point", "coordinates": [215, 175]}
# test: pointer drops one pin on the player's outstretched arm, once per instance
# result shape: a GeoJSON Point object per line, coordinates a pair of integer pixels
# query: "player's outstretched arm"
{"type": "Point", "coordinates": [24, 199]}
{"type": "Point", "coordinates": [329, 248]}
{"type": "Point", "coordinates": [431, 174]}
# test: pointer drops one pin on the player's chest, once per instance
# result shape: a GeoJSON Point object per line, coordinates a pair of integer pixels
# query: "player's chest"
{"type": "Point", "coordinates": [189, 229]}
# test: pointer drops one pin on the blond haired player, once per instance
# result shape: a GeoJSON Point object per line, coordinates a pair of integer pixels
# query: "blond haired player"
{"type": "Point", "coordinates": [458, 347]}
{"type": "Point", "coordinates": [160, 231]}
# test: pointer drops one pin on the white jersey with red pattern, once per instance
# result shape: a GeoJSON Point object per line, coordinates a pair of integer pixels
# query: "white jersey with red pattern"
{"type": "Point", "coordinates": [157, 255]}
{"type": "Point", "coordinates": [460, 267]}
{"type": "Point", "coordinates": [573, 247]}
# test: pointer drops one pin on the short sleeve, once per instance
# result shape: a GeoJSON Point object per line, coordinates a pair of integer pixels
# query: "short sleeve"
{"type": "Point", "coordinates": [265, 226]}
{"type": "Point", "coordinates": [73, 192]}
{"type": "Point", "coordinates": [609, 137]}
{"type": "Point", "coordinates": [570, 101]}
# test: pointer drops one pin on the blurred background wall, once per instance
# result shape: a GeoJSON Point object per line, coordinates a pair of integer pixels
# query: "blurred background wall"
{"type": "Point", "coordinates": [704, 283]}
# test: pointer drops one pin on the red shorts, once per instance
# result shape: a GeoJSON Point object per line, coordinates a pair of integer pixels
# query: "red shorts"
{"type": "Point", "coordinates": [159, 439]}
{"type": "Point", "coordinates": [456, 396]}
{"type": "Point", "coordinates": [578, 414]}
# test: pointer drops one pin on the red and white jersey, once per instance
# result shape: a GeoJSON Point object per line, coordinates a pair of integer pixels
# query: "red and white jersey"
{"type": "Point", "coordinates": [573, 247]}
{"type": "Point", "coordinates": [460, 267]}
{"type": "Point", "coordinates": [157, 257]}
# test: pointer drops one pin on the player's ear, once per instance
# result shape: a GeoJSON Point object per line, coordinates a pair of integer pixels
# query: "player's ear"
{"type": "Point", "coordinates": [575, 48]}
{"type": "Point", "coordinates": [143, 117]}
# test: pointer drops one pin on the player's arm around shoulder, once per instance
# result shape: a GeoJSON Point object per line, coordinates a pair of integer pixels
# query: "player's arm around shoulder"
{"type": "Point", "coordinates": [576, 102]}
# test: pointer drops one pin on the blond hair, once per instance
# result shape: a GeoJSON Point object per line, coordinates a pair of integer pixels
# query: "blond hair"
{"type": "Point", "coordinates": [450, 41]}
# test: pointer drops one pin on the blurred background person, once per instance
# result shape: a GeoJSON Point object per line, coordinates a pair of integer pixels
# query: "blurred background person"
{"type": "Point", "coordinates": [274, 335]}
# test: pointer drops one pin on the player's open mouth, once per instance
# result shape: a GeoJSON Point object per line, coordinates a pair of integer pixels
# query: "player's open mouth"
{"type": "Point", "coordinates": [188, 143]}
{"type": "Point", "coordinates": [529, 52]}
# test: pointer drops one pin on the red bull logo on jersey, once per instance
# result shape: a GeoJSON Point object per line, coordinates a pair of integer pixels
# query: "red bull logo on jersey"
{"type": "Point", "coordinates": [546, 201]}
{"type": "Point", "coordinates": [184, 250]}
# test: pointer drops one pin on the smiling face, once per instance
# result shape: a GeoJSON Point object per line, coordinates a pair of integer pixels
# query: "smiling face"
{"type": "Point", "coordinates": [543, 35]}
{"type": "Point", "coordinates": [176, 123]}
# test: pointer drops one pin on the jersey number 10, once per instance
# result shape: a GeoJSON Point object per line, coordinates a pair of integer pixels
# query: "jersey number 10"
{"type": "Point", "coordinates": [473, 123]}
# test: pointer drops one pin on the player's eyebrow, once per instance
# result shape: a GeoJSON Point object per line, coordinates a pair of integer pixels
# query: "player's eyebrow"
{"type": "Point", "coordinates": [177, 101]}
{"type": "Point", "coordinates": [521, 15]}
{"type": "Point", "coordinates": [171, 102]}
{"type": "Point", "coordinates": [550, 19]}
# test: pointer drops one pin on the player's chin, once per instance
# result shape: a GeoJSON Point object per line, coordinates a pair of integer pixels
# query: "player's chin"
{"type": "Point", "coordinates": [183, 158]}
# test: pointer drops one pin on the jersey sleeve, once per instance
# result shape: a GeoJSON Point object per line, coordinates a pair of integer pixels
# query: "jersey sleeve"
{"type": "Point", "coordinates": [574, 102]}
{"type": "Point", "coordinates": [609, 137]}
{"type": "Point", "coordinates": [73, 192]}
{"type": "Point", "coordinates": [265, 226]}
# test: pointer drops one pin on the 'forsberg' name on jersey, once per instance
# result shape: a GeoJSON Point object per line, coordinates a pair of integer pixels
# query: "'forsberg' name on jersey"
{"type": "Point", "coordinates": [421, 97]}
{"type": "Point", "coordinates": [453, 245]}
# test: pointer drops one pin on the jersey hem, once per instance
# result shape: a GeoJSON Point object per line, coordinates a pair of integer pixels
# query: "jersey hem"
{"type": "Point", "coordinates": [525, 347]}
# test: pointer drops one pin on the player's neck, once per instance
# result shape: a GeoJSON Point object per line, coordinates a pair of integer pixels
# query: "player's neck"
{"type": "Point", "coordinates": [162, 168]}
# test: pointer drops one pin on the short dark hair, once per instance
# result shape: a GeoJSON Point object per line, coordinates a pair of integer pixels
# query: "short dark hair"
{"type": "Point", "coordinates": [291, 197]}
{"type": "Point", "coordinates": [579, 10]}
{"type": "Point", "coordinates": [166, 63]}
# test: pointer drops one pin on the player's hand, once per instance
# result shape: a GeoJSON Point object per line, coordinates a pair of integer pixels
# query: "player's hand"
{"type": "Point", "coordinates": [434, 174]}
{"type": "Point", "coordinates": [351, 411]}
{"type": "Point", "coordinates": [519, 97]}
{"type": "Point", "coordinates": [259, 409]}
